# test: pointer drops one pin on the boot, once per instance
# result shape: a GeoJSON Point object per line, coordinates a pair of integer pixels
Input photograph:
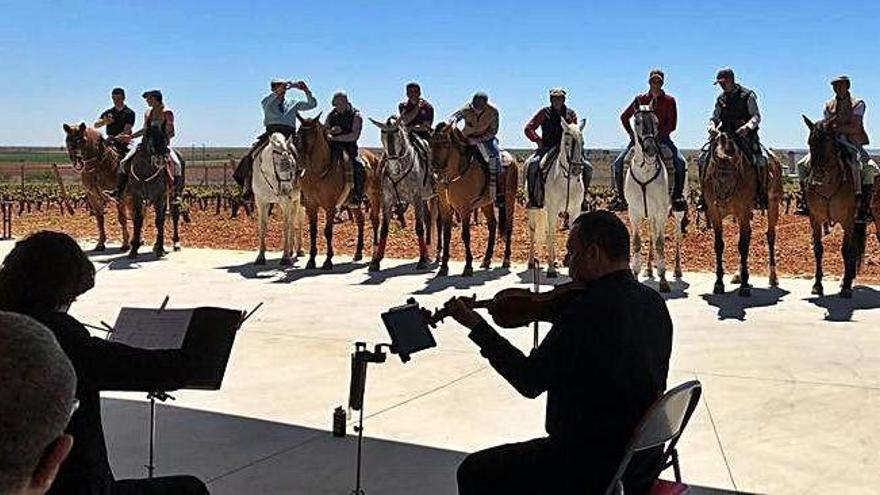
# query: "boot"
{"type": "Point", "coordinates": [863, 215]}
{"type": "Point", "coordinates": [678, 202]}
{"type": "Point", "coordinates": [619, 203]}
{"type": "Point", "coordinates": [246, 173]}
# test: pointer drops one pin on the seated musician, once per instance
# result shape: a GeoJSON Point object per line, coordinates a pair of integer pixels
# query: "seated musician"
{"type": "Point", "coordinates": [41, 277]}
{"type": "Point", "coordinates": [603, 364]}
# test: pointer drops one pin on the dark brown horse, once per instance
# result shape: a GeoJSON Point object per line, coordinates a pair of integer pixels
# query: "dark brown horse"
{"type": "Point", "coordinates": [729, 185]}
{"type": "Point", "coordinates": [831, 199]}
{"type": "Point", "coordinates": [97, 162]}
{"type": "Point", "coordinates": [326, 185]}
{"type": "Point", "coordinates": [462, 188]}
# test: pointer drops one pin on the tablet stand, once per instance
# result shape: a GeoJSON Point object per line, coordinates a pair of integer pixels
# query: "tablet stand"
{"type": "Point", "coordinates": [359, 361]}
{"type": "Point", "coordinates": [153, 396]}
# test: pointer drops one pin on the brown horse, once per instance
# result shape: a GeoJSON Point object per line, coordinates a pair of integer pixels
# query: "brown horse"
{"type": "Point", "coordinates": [831, 199]}
{"type": "Point", "coordinates": [729, 185]}
{"type": "Point", "coordinates": [97, 163]}
{"type": "Point", "coordinates": [325, 185]}
{"type": "Point", "coordinates": [463, 187]}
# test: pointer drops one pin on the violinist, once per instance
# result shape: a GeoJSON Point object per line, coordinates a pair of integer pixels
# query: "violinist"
{"type": "Point", "coordinates": [603, 363]}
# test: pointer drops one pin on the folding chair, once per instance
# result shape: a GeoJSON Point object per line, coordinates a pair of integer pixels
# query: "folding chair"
{"type": "Point", "coordinates": [664, 422]}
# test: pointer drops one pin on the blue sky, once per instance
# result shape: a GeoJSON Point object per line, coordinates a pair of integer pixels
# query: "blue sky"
{"type": "Point", "coordinates": [213, 60]}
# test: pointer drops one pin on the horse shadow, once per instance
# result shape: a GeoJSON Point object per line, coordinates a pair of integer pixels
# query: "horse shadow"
{"type": "Point", "coordinates": [291, 276]}
{"type": "Point", "coordinates": [256, 272]}
{"type": "Point", "coordinates": [679, 288]}
{"type": "Point", "coordinates": [407, 269]}
{"type": "Point", "coordinates": [839, 309]}
{"type": "Point", "coordinates": [480, 277]}
{"type": "Point", "coordinates": [527, 276]}
{"type": "Point", "coordinates": [123, 262]}
{"type": "Point", "coordinates": [733, 306]}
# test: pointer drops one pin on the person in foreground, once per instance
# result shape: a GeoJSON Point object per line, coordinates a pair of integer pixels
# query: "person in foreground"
{"type": "Point", "coordinates": [603, 364]}
{"type": "Point", "coordinates": [36, 401]}
{"type": "Point", "coordinates": [41, 277]}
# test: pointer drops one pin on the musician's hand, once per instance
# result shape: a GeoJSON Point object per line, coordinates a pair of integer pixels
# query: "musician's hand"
{"type": "Point", "coordinates": [463, 313]}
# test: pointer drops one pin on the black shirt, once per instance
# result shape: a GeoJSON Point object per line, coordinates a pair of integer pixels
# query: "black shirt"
{"type": "Point", "coordinates": [603, 364]}
{"type": "Point", "coordinates": [103, 365]}
{"type": "Point", "coordinates": [121, 118]}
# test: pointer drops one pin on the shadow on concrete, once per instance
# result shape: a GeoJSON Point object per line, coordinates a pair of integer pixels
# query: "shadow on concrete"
{"type": "Point", "coordinates": [236, 455]}
{"type": "Point", "coordinates": [679, 288]}
{"type": "Point", "coordinates": [291, 276]}
{"type": "Point", "coordinates": [528, 277]}
{"type": "Point", "coordinates": [733, 306]}
{"type": "Point", "coordinates": [455, 281]}
{"type": "Point", "coordinates": [122, 262]}
{"type": "Point", "coordinates": [842, 310]}
{"type": "Point", "coordinates": [407, 269]}
{"type": "Point", "coordinates": [251, 271]}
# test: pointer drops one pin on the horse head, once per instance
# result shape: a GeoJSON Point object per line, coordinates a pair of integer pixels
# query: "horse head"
{"type": "Point", "coordinates": [83, 144]}
{"type": "Point", "coordinates": [310, 134]}
{"type": "Point", "coordinates": [571, 146]}
{"type": "Point", "coordinates": [281, 167]}
{"type": "Point", "coordinates": [726, 149]}
{"type": "Point", "coordinates": [394, 138]}
{"type": "Point", "coordinates": [822, 143]}
{"type": "Point", "coordinates": [447, 141]}
{"type": "Point", "coordinates": [645, 127]}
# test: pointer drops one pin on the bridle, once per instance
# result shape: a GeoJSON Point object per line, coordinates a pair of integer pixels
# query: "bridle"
{"type": "Point", "coordinates": [288, 172]}
{"type": "Point", "coordinates": [76, 151]}
{"type": "Point", "coordinates": [646, 136]}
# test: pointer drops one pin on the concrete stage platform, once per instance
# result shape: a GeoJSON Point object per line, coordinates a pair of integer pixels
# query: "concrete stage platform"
{"type": "Point", "coordinates": [790, 403]}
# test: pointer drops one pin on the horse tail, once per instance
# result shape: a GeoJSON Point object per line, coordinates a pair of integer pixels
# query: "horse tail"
{"type": "Point", "coordinates": [860, 233]}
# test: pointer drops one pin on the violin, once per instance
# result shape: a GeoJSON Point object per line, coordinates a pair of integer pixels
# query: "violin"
{"type": "Point", "coordinates": [518, 307]}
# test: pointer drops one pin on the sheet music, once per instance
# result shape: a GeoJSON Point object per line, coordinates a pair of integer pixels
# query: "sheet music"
{"type": "Point", "coordinates": [146, 328]}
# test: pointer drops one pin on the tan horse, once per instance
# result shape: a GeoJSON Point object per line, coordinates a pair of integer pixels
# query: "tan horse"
{"type": "Point", "coordinates": [729, 186]}
{"type": "Point", "coordinates": [97, 163]}
{"type": "Point", "coordinates": [831, 199]}
{"type": "Point", "coordinates": [462, 188]}
{"type": "Point", "coordinates": [325, 186]}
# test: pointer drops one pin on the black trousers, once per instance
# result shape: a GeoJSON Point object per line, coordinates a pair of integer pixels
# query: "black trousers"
{"type": "Point", "coordinates": [542, 466]}
{"type": "Point", "coordinates": [169, 485]}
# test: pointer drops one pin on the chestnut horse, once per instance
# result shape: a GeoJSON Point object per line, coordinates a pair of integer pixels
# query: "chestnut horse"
{"type": "Point", "coordinates": [326, 185]}
{"type": "Point", "coordinates": [463, 187]}
{"type": "Point", "coordinates": [729, 185]}
{"type": "Point", "coordinates": [831, 198]}
{"type": "Point", "coordinates": [97, 162]}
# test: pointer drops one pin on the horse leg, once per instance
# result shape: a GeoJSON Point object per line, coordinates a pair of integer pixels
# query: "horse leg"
{"type": "Point", "coordinates": [175, 226]}
{"type": "Point", "coordinates": [649, 266]}
{"type": "Point", "coordinates": [719, 258]}
{"type": "Point", "coordinates": [262, 223]}
{"type": "Point", "coordinates": [818, 251]}
{"type": "Point", "coordinates": [466, 238]}
{"type": "Point", "coordinates": [772, 219]}
{"type": "Point", "coordinates": [312, 212]}
{"type": "Point", "coordinates": [330, 214]}
{"type": "Point", "coordinates": [636, 247]}
{"type": "Point", "coordinates": [678, 237]}
{"type": "Point", "coordinates": [659, 235]}
{"type": "Point", "coordinates": [159, 246]}
{"type": "Point", "coordinates": [379, 251]}
{"type": "Point", "coordinates": [550, 233]}
{"type": "Point", "coordinates": [122, 218]}
{"type": "Point", "coordinates": [287, 232]}
{"type": "Point", "coordinates": [745, 240]}
{"type": "Point", "coordinates": [849, 252]}
{"type": "Point", "coordinates": [533, 226]}
{"type": "Point", "coordinates": [445, 225]}
{"type": "Point", "coordinates": [298, 219]}
{"type": "Point", "coordinates": [419, 207]}
{"type": "Point", "coordinates": [102, 232]}
{"type": "Point", "coordinates": [138, 211]}
{"type": "Point", "coordinates": [492, 225]}
{"type": "Point", "coordinates": [359, 221]}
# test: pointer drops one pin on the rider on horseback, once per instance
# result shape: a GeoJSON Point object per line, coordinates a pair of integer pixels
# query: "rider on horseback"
{"type": "Point", "coordinates": [119, 120]}
{"type": "Point", "coordinates": [418, 117]}
{"type": "Point", "coordinates": [480, 127]}
{"type": "Point", "coordinates": [344, 125]}
{"type": "Point", "coordinates": [158, 131]}
{"type": "Point", "coordinates": [667, 115]}
{"type": "Point", "coordinates": [844, 115]}
{"type": "Point", "coordinates": [736, 112]}
{"type": "Point", "coordinates": [549, 119]}
{"type": "Point", "coordinates": [279, 115]}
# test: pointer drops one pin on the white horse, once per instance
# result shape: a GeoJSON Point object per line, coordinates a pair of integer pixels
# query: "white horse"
{"type": "Point", "coordinates": [276, 181]}
{"type": "Point", "coordinates": [646, 189]}
{"type": "Point", "coordinates": [563, 192]}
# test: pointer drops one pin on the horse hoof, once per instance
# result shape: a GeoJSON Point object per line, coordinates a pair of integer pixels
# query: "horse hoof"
{"type": "Point", "coordinates": [719, 288]}
{"type": "Point", "coordinates": [664, 286]}
{"type": "Point", "coordinates": [818, 290]}
{"type": "Point", "coordinates": [358, 257]}
{"type": "Point", "coordinates": [300, 253]}
{"type": "Point", "coordinates": [285, 261]}
{"type": "Point", "coordinates": [532, 264]}
{"type": "Point", "coordinates": [260, 261]}
{"type": "Point", "coordinates": [160, 253]}
{"type": "Point", "coordinates": [176, 247]}
{"type": "Point", "coordinates": [552, 273]}
{"type": "Point", "coordinates": [678, 274]}
{"type": "Point", "coordinates": [468, 271]}
{"type": "Point", "coordinates": [505, 264]}
{"type": "Point", "coordinates": [132, 255]}
{"type": "Point", "coordinates": [735, 279]}
{"type": "Point", "coordinates": [846, 293]}
{"type": "Point", "coordinates": [774, 282]}
{"type": "Point", "coordinates": [327, 266]}
{"type": "Point", "coordinates": [374, 267]}
{"type": "Point", "coordinates": [100, 248]}
{"type": "Point", "coordinates": [443, 271]}
{"type": "Point", "coordinates": [745, 292]}
{"type": "Point", "coordinates": [486, 264]}
{"type": "Point", "coordinates": [311, 264]}
{"type": "Point", "coordinates": [125, 248]}
{"type": "Point", "coordinates": [422, 265]}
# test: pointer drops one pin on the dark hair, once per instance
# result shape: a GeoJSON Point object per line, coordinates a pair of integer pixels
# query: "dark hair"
{"type": "Point", "coordinates": [43, 271]}
{"type": "Point", "coordinates": [605, 230]}
{"type": "Point", "coordinates": [414, 85]}
{"type": "Point", "coordinates": [118, 91]}
{"type": "Point", "coordinates": [155, 93]}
